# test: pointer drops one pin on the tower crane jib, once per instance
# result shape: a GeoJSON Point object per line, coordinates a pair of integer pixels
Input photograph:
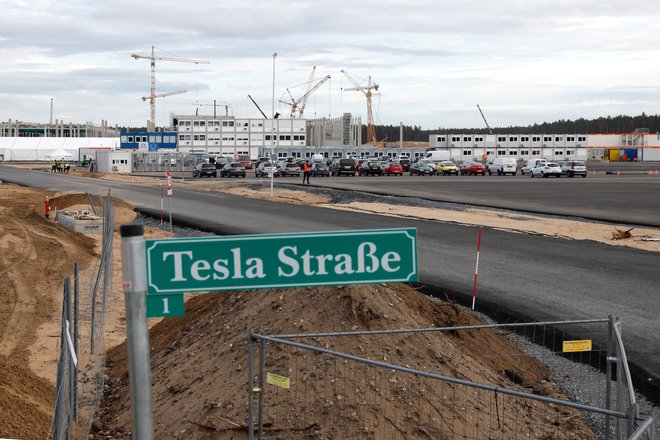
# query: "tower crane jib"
{"type": "Point", "coordinates": [366, 90]}
{"type": "Point", "coordinates": [153, 95]}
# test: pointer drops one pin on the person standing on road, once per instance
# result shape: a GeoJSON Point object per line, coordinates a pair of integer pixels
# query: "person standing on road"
{"type": "Point", "coordinates": [307, 171]}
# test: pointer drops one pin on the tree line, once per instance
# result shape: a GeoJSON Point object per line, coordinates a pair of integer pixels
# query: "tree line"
{"type": "Point", "coordinates": [602, 125]}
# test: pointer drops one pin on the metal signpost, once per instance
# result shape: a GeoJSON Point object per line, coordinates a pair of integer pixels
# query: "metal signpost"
{"type": "Point", "coordinates": [281, 260]}
{"type": "Point", "coordinates": [156, 273]}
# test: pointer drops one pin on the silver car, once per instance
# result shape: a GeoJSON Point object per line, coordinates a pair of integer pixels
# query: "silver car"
{"type": "Point", "coordinates": [546, 170]}
{"type": "Point", "coordinates": [574, 168]}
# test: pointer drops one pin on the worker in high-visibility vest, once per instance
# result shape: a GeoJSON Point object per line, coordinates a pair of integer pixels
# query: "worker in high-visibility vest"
{"type": "Point", "coordinates": [307, 171]}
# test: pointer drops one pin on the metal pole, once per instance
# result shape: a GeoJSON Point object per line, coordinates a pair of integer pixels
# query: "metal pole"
{"type": "Point", "coordinates": [76, 331]}
{"type": "Point", "coordinates": [169, 207]}
{"type": "Point", "coordinates": [262, 384]}
{"type": "Point", "coordinates": [139, 364]}
{"type": "Point", "coordinates": [59, 428]}
{"type": "Point", "coordinates": [250, 382]}
{"type": "Point", "coordinates": [69, 360]}
{"type": "Point", "coordinates": [272, 143]}
{"type": "Point", "coordinates": [608, 375]}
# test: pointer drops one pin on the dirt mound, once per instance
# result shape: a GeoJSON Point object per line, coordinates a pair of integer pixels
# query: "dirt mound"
{"type": "Point", "coordinates": [26, 401]}
{"type": "Point", "coordinates": [36, 255]}
{"type": "Point", "coordinates": [199, 366]}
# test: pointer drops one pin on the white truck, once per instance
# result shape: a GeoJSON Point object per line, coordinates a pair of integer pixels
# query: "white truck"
{"type": "Point", "coordinates": [438, 155]}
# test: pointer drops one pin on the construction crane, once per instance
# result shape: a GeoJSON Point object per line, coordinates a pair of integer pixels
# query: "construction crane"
{"type": "Point", "coordinates": [152, 96]}
{"type": "Point", "coordinates": [215, 104]}
{"type": "Point", "coordinates": [258, 108]}
{"type": "Point", "coordinates": [366, 90]}
{"type": "Point", "coordinates": [300, 103]}
{"type": "Point", "coordinates": [490, 131]}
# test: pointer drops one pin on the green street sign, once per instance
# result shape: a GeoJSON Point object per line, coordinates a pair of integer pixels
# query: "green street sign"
{"type": "Point", "coordinates": [281, 260]}
{"type": "Point", "coordinates": [160, 306]}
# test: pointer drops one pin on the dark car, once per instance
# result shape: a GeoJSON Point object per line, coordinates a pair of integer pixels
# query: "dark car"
{"type": "Point", "coordinates": [370, 168]}
{"type": "Point", "coordinates": [233, 169]}
{"type": "Point", "coordinates": [205, 169]}
{"type": "Point", "coordinates": [290, 169]}
{"type": "Point", "coordinates": [343, 167]}
{"type": "Point", "coordinates": [468, 167]}
{"type": "Point", "coordinates": [422, 167]}
{"type": "Point", "coordinates": [320, 169]}
{"type": "Point", "coordinates": [221, 162]}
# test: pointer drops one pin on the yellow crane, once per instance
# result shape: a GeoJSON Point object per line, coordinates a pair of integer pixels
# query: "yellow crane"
{"type": "Point", "coordinates": [152, 96]}
{"type": "Point", "coordinates": [366, 90]}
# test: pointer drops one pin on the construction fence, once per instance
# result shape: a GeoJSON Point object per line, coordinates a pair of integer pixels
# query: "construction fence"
{"type": "Point", "coordinates": [300, 387]}
{"type": "Point", "coordinates": [81, 364]}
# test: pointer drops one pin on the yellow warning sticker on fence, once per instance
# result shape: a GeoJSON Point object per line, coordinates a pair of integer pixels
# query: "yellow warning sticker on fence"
{"type": "Point", "coordinates": [278, 381]}
{"type": "Point", "coordinates": [571, 346]}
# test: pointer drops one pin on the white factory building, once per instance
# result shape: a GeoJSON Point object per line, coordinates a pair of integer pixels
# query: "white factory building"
{"type": "Point", "coordinates": [639, 146]}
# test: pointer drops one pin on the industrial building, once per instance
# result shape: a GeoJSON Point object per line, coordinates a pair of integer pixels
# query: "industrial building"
{"type": "Point", "coordinates": [637, 146]}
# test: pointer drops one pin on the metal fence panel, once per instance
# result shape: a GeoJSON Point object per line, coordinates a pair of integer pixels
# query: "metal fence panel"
{"type": "Point", "coordinates": [301, 385]}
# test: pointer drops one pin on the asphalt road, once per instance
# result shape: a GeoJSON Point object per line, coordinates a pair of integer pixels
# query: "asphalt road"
{"type": "Point", "coordinates": [520, 275]}
{"type": "Point", "coordinates": [629, 198]}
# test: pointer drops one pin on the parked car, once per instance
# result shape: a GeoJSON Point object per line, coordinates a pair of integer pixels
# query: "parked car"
{"type": "Point", "coordinates": [264, 169]}
{"type": "Point", "coordinates": [422, 168]}
{"type": "Point", "coordinates": [393, 168]}
{"type": "Point", "coordinates": [290, 169]}
{"type": "Point", "coordinates": [546, 169]}
{"type": "Point", "coordinates": [341, 167]}
{"type": "Point", "coordinates": [405, 164]}
{"type": "Point", "coordinates": [205, 169]}
{"type": "Point", "coordinates": [370, 168]}
{"type": "Point", "coordinates": [469, 167]}
{"type": "Point", "coordinates": [574, 168]}
{"type": "Point", "coordinates": [221, 162]}
{"type": "Point", "coordinates": [233, 169]}
{"type": "Point", "coordinates": [503, 166]}
{"type": "Point", "coordinates": [245, 160]}
{"type": "Point", "coordinates": [531, 163]}
{"type": "Point", "coordinates": [446, 167]}
{"type": "Point", "coordinates": [320, 169]}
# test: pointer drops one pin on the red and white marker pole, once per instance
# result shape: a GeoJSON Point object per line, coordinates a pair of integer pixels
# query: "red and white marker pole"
{"type": "Point", "coordinates": [162, 211]}
{"type": "Point", "coordinates": [476, 270]}
{"type": "Point", "coordinates": [47, 206]}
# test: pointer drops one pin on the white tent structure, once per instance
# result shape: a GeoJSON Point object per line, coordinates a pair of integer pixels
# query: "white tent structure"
{"type": "Point", "coordinates": [60, 154]}
{"type": "Point", "coordinates": [42, 148]}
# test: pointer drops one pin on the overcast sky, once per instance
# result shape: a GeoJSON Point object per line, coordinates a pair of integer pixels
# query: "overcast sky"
{"type": "Point", "coordinates": [522, 61]}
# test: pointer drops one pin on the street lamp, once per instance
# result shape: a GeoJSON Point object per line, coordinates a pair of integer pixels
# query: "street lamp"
{"type": "Point", "coordinates": [272, 143]}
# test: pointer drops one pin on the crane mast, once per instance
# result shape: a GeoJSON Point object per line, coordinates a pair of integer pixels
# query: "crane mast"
{"type": "Point", "coordinates": [153, 95]}
{"type": "Point", "coordinates": [490, 131]}
{"type": "Point", "coordinates": [366, 90]}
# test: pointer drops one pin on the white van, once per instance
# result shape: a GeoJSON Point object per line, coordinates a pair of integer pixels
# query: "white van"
{"type": "Point", "coordinates": [503, 165]}
{"type": "Point", "coordinates": [531, 163]}
{"type": "Point", "coordinates": [438, 155]}
{"type": "Point", "coordinates": [317, 158]}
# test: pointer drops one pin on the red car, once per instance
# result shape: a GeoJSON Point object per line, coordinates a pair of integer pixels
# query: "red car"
{"type": "Point", "coordinates": [393, 168]}
{"type": "Point", "coordinates": [245, 161]}
{"type": "Point", "coordinates": [470, 168]}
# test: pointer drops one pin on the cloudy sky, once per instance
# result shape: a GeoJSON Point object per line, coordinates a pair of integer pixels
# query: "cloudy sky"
{"type": "Point", "coordinates": [522, 61]}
